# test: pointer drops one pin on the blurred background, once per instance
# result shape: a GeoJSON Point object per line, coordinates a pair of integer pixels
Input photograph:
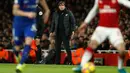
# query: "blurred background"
{"type": "Point", "coordinates": [80, 9]}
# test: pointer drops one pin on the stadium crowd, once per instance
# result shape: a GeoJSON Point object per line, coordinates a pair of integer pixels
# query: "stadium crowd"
{"type": "Point", "coordinates": [80, 9]}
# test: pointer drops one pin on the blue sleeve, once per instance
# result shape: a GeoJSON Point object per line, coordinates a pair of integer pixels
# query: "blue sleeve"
{"type": "Point", "coordinates": [18, 2]}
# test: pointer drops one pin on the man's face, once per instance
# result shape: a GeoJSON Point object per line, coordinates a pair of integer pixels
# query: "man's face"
{"type": "Point", "coordinates": [37, 41]}
{"type": "Point", "coordinates": [61, 7]}
{"type": "Point", "coordinates": [44, 37]}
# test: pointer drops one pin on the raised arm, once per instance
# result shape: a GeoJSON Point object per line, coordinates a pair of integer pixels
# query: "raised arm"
{"type": "Point", "coordinates": [90, 16]}
{"type": "Point", "coordinates": [126, 3]}
{"type": "Point", "coordinates": [92, 13]}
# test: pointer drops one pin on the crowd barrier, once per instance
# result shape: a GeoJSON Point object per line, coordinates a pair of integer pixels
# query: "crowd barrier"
{"type": "Point", "coordinates": [102, 57]}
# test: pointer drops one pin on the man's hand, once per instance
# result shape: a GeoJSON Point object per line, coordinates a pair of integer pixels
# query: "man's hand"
{"type": "Point", "coordinates": [82, 28]}
{"type": "Point", "coordinates": [72, 35]}
{"type": "Point", "coordinates": [31, 15]}
{"type": "Point", "coordinates": [37, 41]}
{"type": "Point", "coordinates": [52, 34]}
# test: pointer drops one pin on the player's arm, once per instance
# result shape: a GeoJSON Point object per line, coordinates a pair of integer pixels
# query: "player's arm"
{"type": "Point", "coordinates": [47, 11]}
{"type": "Point", "coordinates": [124, 2]}
{"type": "Point", "coordinates": [92, 13]}
{"type": "Point", "coordinates": [18, 12]}
{"type": "Point", "coordinates": [90, 16]}
{"type": "Point", "coordinates": [44, 5]}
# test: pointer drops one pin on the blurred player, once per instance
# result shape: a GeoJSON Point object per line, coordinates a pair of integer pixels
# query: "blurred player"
{"type": "Point", "coordinates": [24, 26]}
{"type": "Point", "coordinates": [108, 28]}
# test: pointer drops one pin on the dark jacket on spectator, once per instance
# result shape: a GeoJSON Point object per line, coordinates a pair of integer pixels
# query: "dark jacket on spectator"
{"type": "Point", "coordinates": [68, 20]}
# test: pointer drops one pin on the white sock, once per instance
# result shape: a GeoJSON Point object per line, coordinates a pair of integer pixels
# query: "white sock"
{"type": "Point", "coordinates": [120, 63]}
{"type": "Point", "coordinates": [86, 58]}
{"type": "Point", "coordinates": [18, 66]}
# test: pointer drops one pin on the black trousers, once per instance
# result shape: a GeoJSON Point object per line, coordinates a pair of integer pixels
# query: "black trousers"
{"type": "Point", "coordinates": [61, 37]}
{"type": "Point", "coordinates": [38, 54]}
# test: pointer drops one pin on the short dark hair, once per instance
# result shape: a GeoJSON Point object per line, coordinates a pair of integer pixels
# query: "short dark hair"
{"type": "Point", "coordinates": [61, 2]}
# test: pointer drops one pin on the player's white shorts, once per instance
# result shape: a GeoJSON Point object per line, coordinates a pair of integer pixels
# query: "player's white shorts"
{"type": "Point", "coordinates": [113, 34]}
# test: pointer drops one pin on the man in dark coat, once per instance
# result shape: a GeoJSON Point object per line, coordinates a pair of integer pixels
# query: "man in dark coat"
{"type": "Point", "coordinates": [63, 24]}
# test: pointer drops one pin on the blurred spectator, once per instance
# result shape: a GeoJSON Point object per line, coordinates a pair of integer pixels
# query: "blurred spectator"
{"type": "Point", "coordinates": [74, 43]}
{"type": "Point", "coordinates": [38, 52]}
{"type": "Point", "coordinates": [127, 42]}
{"type": "Point", "coordinates": [80, 8]}
{"type": "Point", "coordinates": [104, 46]}
{"type": "Point", "coordinates": [50, 54]}
{"type": "Point", "coordinates": [44, 42]}
{"type": "Point", "coordinates": [81, 42]}
{"type": "Point", "coordinates": [77, 55]}
{"type": "Point", "coordinates": [3, 54]}
{"type": "Point", "coordinates": [7, 44]}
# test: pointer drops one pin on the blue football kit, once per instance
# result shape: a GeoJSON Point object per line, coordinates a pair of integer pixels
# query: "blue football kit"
{"type": "Point", "coordinates": [23, 26]}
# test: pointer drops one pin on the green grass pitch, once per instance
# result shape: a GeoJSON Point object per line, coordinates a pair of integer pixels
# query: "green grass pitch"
{"type": "Point", "coordinates": [34, 68]}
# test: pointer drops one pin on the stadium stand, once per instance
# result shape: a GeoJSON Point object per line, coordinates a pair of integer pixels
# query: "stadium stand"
{"type": "Point", "coordinates": [80, 8]}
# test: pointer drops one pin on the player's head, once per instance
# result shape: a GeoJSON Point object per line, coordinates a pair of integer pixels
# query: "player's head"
{"type": "Point", "coordinates": [61, 5]}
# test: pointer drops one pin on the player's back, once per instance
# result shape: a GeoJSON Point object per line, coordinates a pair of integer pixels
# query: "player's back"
{"type": "Point", "coordinates": [109, 13]}
{"type": "Point", "coordinates": [27, 6]}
